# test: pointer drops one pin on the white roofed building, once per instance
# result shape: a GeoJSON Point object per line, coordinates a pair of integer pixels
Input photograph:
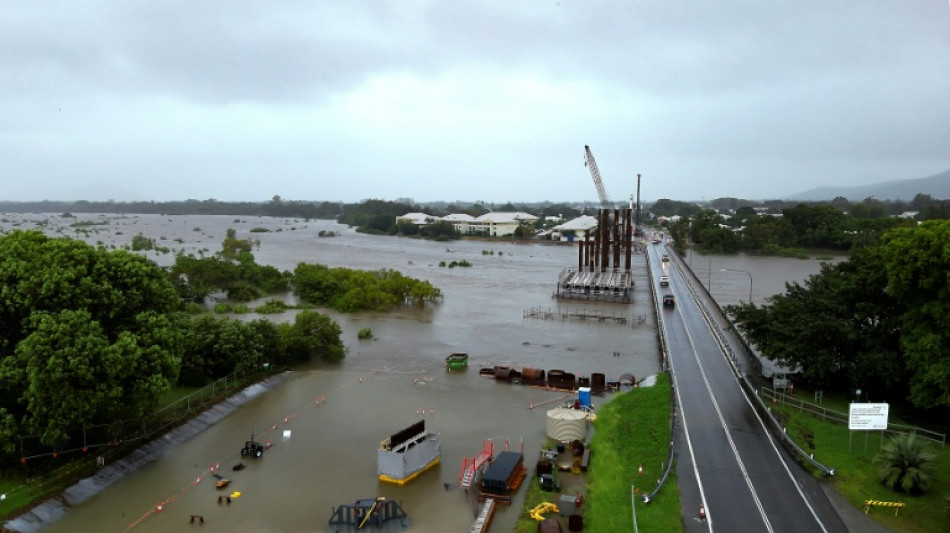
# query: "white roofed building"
{"type": "Point", "coordinates": [461, 221]}
{"type": "Point", "coordinates": [575, 229]}
{"type": "Point", "coordinates": [501, 223]}
{"type": "Point", "coordinates": [419, 219]}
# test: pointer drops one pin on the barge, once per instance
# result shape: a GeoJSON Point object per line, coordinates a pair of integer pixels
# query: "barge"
{"type": "Point", "coordinates": [408, 453]}
{"type": "Point", "coordinates": [503, 476]}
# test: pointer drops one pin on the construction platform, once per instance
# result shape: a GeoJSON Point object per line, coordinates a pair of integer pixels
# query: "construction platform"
{"type": "Point", "coordinates": [587, 283]}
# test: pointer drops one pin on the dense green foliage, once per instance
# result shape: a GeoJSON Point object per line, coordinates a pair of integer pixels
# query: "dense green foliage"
{"type": "Point", "coordinates": [91, 336]}
{"type": "Point", "coordinates": [313, 335]}
{"type": "Point", "coordinates": [85, 336]}
{"type": "Point", "coordinates": [375, 216]}
{"type": "Point", "coordinates": [349, 290]}
{"type": "Point", "coordinates": [216, 347]}
{"type": "Point", "coordinates": [917, 262]}
{"type": "Point", "coordinates": [875, 322]}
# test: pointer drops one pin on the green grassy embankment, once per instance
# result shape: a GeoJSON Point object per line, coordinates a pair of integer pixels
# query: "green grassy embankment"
{"type": "Point", "coordinates": [851, 454]}
{"type": "Point", "coordinates": [633, 428]}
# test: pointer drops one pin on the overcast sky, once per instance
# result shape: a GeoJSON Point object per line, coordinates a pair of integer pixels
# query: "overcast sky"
{"type": "Point", "coordinates": [468, 100]}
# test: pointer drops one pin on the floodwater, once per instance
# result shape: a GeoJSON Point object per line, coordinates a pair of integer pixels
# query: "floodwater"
{"type": "Point", "coordinates": [329, 456]}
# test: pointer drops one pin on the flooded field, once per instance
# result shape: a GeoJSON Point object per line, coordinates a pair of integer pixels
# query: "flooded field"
{"type": "Point", "coordinates": [383, 385]}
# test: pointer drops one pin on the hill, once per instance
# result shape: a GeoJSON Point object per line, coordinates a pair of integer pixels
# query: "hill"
{"type": "Point", "coordinates": [937, 186]}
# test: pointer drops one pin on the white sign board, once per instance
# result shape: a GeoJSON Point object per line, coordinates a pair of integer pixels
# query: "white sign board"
{"type": "Point", "coordinates": [868, 416]}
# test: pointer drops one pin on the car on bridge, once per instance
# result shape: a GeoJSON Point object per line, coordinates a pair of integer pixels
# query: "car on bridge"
{"type": "Point", "coordinates": [664, 281]}
{"type": "Point", "coordinates": [666, 258]}
{"type": "Point", "coordinates": [669, 300]}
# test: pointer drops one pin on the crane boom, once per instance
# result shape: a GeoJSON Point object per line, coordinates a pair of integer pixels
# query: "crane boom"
{"type": "Point", "coordinates": [591, 164]}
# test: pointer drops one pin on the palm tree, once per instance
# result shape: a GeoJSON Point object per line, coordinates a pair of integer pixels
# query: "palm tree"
{"type": "Point", "coordinates": [905, 464]}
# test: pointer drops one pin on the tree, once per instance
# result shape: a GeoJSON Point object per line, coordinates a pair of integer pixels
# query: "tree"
{"type": "Point", "coordinates": [817, 226]}
{"type": "Point", "coordinates": [233, 248]}
{"type": "Point", "coordinates": [917, 260]}
{"type": "Point", "coordinates": [195, 279]}
{"type": "Point", "coordinates": [440, 231]}
{"type": "Point", "coordinates": [312, 335]}
{"type": "Point", "coordinates": [87, 335]}
{"type": "Point", "coordinates": [841, 329]}
{"type": "Point", "coordinates": [763, 232]}
{"type": "Point", "coordinates": [217, 347]}
{"type": "Point", "coordinates": [524, 231]}
{"type": "Point", "coordinates": [905, 464]}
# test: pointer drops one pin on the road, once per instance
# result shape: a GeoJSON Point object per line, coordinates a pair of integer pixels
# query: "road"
{"type": "Point", "coordinates": [728, 465]}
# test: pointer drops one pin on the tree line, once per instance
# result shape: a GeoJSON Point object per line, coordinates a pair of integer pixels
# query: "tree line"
{"type": "Point", "coordinates": [797, 228]}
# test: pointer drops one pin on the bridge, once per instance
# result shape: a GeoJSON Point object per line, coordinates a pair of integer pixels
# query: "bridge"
{"type": "Point", "coordinates": [734, 472]}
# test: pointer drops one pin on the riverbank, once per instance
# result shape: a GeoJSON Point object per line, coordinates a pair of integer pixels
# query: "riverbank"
{"type": "Point", "coordinates": [52, 509]}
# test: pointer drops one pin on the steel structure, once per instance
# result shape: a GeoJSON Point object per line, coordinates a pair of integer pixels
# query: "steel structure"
{"type": "Point", "coordinates": [591, 164]}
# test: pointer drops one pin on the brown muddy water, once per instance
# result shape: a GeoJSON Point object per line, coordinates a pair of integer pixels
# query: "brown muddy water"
{"type": "Point", "coordinates": [329, 457]}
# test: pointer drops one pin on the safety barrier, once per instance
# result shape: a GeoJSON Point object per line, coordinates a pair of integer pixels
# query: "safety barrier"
{"type": "Point", "coordinates": [874, 503]}
{"type": "Point", "coordinates": [664, 363]}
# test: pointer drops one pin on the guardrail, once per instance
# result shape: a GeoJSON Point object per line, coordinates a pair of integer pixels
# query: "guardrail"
{"type": "Point", "coordinates": [664, 364]}
{"type": "Point", "coordinates": [727, 350]}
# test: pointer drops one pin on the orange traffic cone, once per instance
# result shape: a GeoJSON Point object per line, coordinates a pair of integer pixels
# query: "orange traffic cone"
{"type": "Point", "coordinates": [702, 512]}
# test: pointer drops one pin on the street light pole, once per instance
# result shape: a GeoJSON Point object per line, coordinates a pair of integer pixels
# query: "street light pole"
{"type": "Point", "coordinates": [744, 272]}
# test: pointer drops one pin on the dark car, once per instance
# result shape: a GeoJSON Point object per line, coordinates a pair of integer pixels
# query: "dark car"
{"type": "Point", "coordinates": [669, 300]}
{"type": "Point", "coordinates": [666, 259]}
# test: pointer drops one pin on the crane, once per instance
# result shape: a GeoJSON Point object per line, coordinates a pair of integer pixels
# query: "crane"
{"type": "Point", "coordinates": [594, 173]}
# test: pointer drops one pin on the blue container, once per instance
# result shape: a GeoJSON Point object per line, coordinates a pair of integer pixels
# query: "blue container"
{"type": "Point", "coordinates": [583, 396]}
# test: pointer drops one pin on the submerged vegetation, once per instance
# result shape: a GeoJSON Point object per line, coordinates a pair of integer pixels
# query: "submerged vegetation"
{"type": "Point", "coordinates": [348, 290]}
{"type": "Point", "coordinates": [93, 335]}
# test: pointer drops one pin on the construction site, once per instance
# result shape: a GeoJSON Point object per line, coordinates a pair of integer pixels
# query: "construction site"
{"type": "Point", "coordinates": [603, 270]}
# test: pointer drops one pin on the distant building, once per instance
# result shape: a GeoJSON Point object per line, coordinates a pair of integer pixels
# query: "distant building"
{"type": "Point", "coordinates": [575, 229]}
{"type": "Point", "coordinates": [501, 223]}
{"type": "Point", "coordinates": [419, 219]}
{"type": "Point", "coordinates": [497, 224]}
{"type": "Point", "coordinates": [461, 221]}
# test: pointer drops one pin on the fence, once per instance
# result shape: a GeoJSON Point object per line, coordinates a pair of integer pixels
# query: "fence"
{"type": "Point", "coordinates": [123, 431]}
{"type": "Point", "coordinates": [770, 395]}
{"type": "Point", "coordinates": [583, 314]}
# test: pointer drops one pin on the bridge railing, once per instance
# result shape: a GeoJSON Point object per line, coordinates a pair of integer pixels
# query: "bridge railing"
{"type": "Point", "coordinates": [701, 296]}
{"type": "Point", "coordinates": [664, 364]}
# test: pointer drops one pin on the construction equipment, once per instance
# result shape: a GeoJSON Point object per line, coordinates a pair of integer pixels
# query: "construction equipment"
{"type": "Point", "coordinates": [591, 164]}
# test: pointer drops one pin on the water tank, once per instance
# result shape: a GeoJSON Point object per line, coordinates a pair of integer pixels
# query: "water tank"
{"type": "Point", "coordinates": [565, 425]}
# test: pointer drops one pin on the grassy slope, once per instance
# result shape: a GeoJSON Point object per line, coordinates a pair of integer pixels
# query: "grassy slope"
{"type": "Point", "coordinates": [632, 429]}
{"type": "Point", "coordinates": [852, 457]}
